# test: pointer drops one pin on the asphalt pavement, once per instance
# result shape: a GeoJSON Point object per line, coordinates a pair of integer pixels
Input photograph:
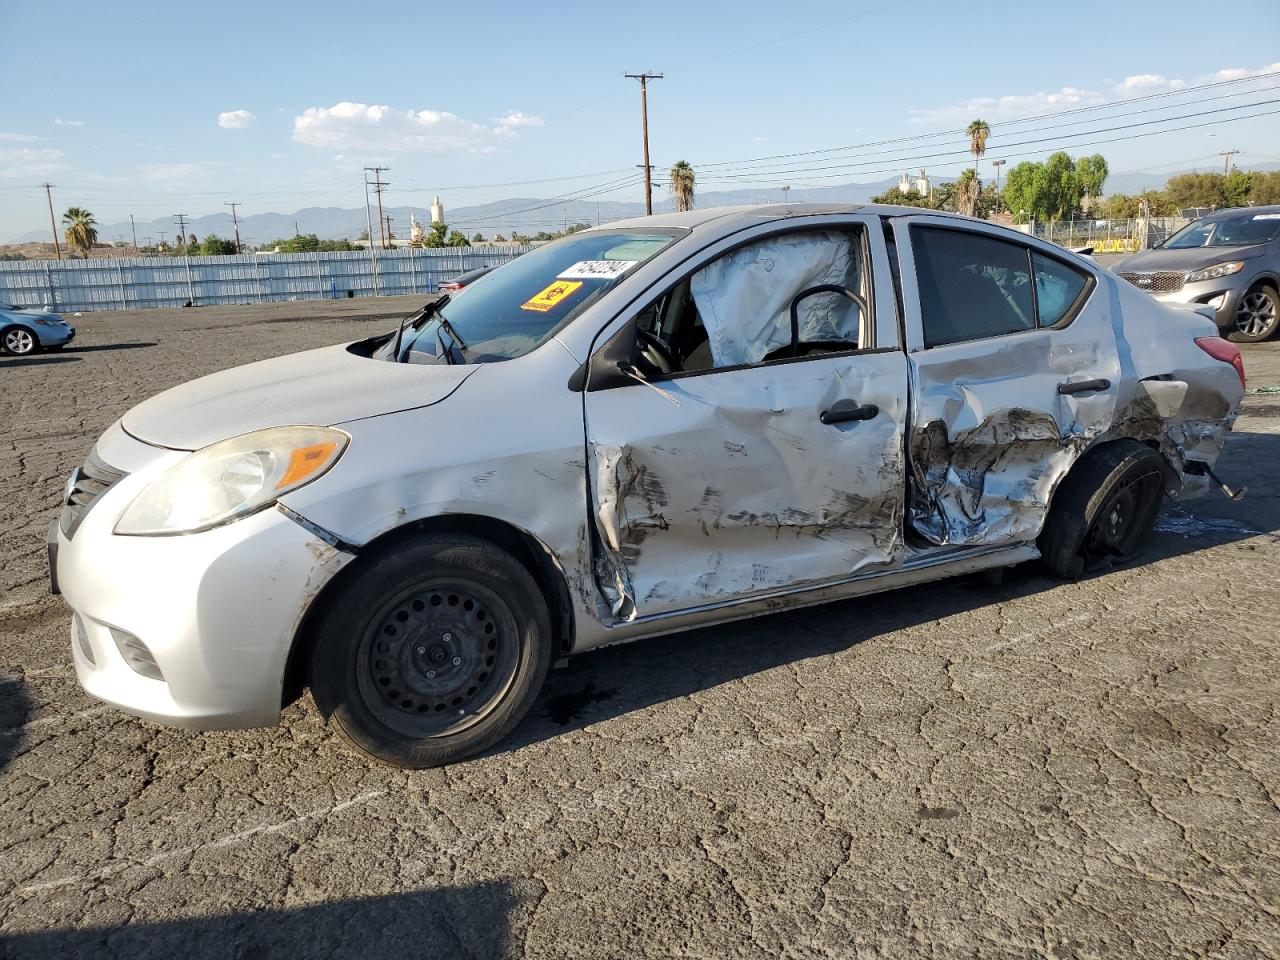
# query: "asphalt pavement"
{"type": "Point", "coordinates": [1026, 768]}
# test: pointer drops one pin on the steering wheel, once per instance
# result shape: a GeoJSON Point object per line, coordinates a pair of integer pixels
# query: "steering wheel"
{"type": "Point", "coordinates": [657, 352]}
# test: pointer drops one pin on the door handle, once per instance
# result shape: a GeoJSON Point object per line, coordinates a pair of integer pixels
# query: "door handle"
{"type": "Point", "coordinates": [844, 410]}
{"type": "Point", "coordinates": [1084, 386]}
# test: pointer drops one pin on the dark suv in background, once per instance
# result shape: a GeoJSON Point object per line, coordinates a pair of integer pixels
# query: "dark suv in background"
{"type": "Point", "coordinates": [1229, 260]}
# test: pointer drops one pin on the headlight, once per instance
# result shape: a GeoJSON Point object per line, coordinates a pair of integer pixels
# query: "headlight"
{"type": "Point", "coordinates": [1216, 271]}
{"type": "Point", "coordinates": [45, 322]}
{"type": "Point", "coordinates": [232, 479]}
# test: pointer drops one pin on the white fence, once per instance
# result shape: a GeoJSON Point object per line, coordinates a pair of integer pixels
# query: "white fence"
{"type": "Point", "coordinates": [144, 282]}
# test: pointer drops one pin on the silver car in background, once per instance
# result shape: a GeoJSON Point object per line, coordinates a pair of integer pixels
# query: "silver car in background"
{"type": "Point", "coordinates": [1229, 261]}
{"type": "Point", "coordinates": [641, 428]}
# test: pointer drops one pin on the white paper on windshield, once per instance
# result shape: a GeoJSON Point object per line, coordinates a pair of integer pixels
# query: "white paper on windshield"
{"type": "Point", "coordinates": [1267, 216]}
{"type": "Point", "coordinates": [596, 270]}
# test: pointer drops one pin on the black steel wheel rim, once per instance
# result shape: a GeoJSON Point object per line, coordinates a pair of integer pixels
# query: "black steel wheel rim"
{"type": "Point", "coordinates": [1256, 315]}
{"type": "Point", "coordinates": [1116, 533]}
{"type": "Point", "coordinates": [438, 658]}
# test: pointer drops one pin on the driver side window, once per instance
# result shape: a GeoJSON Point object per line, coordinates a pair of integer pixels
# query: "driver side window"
{"type": "Point", "coordinates": [757, 304]}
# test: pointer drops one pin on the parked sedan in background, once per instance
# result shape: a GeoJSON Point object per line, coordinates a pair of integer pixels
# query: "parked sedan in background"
{"type": "Point", "coordinates": [641, 428]}
{"type": "Point", "coordinates": [1229, 260]}
{"type": "Point", "coordinates": [464, 280]}
{"type": "Point", "coordinates": [25, 330]}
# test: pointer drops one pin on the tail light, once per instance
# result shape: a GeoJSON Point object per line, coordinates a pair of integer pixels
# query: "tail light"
{"type": "Point", "coordinates": [1225, 351]}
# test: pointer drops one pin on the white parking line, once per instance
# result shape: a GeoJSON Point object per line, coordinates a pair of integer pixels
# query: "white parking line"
{"type": "Point", "coordinates": [230, 840]}
{"type": "Point", "coordinates": [48, 721]}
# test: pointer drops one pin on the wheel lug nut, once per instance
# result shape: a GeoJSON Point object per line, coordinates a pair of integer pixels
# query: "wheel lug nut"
{"type": "Point", "coordinates": [421, 651]}
{"type": "Point", "coordinates": [448, 637]}
{"type": "Point", "coordinates": [456, 661]}
{"type": "Point", "coordinates": [431, 674]}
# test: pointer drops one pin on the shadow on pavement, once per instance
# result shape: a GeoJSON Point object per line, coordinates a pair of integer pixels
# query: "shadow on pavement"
{"type": "Point", "coordinates": [616, 681]}
{"type": "Point", "coordinates": [15, 707]}
{"type": "Point", "coordinates": [135, 345]}
{"type": "Point", "coordinates": [468, 921]}
{"type": "Point", "coordinates": [38, 361]}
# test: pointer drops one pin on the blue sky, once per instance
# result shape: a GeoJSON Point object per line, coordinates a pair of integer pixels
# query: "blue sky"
{"type": "Point", "coordinates": [179, 107]}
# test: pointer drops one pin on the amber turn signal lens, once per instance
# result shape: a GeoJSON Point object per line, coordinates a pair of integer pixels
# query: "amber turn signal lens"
{"type": "Point", "coordinates": [305, 461]}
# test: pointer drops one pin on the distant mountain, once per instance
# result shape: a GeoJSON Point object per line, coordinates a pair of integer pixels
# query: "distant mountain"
{"type": "Point", "coordinates": [529, 215]}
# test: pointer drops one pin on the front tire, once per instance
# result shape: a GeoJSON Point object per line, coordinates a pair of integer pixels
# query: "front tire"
{"type": "Point", "coordinates": [19, 341]}
{"type": "Point", "coordinates": [1104, 511]}
{"type": "Point", "coordinates": [1257, 316]}
{"type": "Point", "coordinates": [432, 652]}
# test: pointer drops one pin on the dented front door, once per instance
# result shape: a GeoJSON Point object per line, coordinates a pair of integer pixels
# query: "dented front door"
{"type": "Point", "coordinates": [996, 421]}
{"type": "Point", "coordinates": [739, 488]}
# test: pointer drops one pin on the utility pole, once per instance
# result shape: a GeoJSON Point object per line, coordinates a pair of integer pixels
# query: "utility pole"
{"type": "Point", "coordinates": [134, 228]}
{"type": "Point", "coordinates": [53, 224]}
{"type": "Point", "coordinates": [644, 78]}
{"type": "Point", "coordinates": [997, 164]}
{"type": "Point", "coordinates": [162, 233]}
{"type": "Point", "coordinates": [235, 222]}
{"type": "Point", "coordinates": [378, 184]}
{"type": "Point", "coordinates": [368, 215]}
{"type": "Point", "coordinates": [1226, 159]}
{"type": "Point", "coordinates": [389, 235]}
{"type": "Point", "coordinates": [180, 219]}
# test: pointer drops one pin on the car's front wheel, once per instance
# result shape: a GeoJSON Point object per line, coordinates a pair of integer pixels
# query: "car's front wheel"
{"type": "Point", "coordinates": [1105, 509]}
{"type": "Point", "coordinates": [19, 341]}
{"type": "Point", "coordinates": [432, 651]}
{"type": "Point", "coordinates": [1257, 316]}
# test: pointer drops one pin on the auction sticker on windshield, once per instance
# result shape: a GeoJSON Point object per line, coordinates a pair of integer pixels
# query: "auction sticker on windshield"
{"type": "Point", "coordinates": [596, 270]}
{"type": "Point", "coordinates": [553, 295]}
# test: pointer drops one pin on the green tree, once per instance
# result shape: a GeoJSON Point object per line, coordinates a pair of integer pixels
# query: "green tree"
{"type": "Point", "coordinates": [1266, 188]}
{"type": "Point", "coordinates": [1237, 188]}
{"type": "Point", "coordinates": [1064, 187]}
{"type": "Point", "coordinates": [477, 237]}
{"type": "Point", "coordinates": [81, 230]}
{"type": "Point", "coordinates": [966, 192]}
{"type": "Point", "coordinates": [436, 236]}
{"type": "Point", "coordinates": [499, 239]}
{"type": "Point", "coordinates": [1024, 192]}
{"type": "Point", "coordinates": [908, 199]}
{"type": "Point", "coordinates": [301, 243]}
{"type": "Point", "coordinates": [458, 239]}
{"type": "Point", "coordinates": [214, 246]}
{"type": "Point", "coordinates": [977, 132]}
{"type": "Point", "coordinates": [1091, 172]}
{"type": "Point", "coordinates": [682, 183]}
{"type": "Point", "coordinates": [1197, 190]}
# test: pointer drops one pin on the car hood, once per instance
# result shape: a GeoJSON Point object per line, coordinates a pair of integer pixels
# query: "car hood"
{"type": "Point", "coordinates": [323, 387]}
{"type": "Point", "coordinates": [1192, 258]}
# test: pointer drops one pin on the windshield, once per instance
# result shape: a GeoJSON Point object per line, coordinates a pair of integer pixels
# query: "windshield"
{"type": "Point", "coordinates": [520, 305]}
{"type": "Point", "coordinates": [1237, 231]}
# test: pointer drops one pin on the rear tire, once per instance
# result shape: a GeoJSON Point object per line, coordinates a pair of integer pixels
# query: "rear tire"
{"type": "Point", "coordinates": [1104, 511]}
{"type": "Point", "coordinates": [1257, 316]}
{"type": "Point", "coordinates": [432, 651]}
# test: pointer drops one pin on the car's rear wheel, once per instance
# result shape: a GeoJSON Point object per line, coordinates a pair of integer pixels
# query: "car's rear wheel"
{"type": "Point", "coordinates": [19, 341]}
{"type": "Point", "coordinates": [1257, 316]}
{"type": "Point", "coordinates": [1105, 510]}
{"type": "Point", "coordinates": [432, 651]}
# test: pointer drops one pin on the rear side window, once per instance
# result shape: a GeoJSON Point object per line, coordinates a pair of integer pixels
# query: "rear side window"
{"type": "Point", "coordinates": [1058, 287]}
{"type": "Point", "coordinates": [971, 286]}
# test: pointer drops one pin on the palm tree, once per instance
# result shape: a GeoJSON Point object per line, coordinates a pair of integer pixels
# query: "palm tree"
{"type": "Point", "coordinates": [966, 192]}
{"type": "Point", "coordinates": [682, 185]}
{"type": "Point", "coordinates": [978, 131]}
{"type": "Point", "coordinates": [81, 229]}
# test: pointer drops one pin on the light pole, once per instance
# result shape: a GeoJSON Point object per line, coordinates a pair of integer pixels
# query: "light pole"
{"type": "Point", "coordinates": [997, 164]}
{"type": "Point", "coordinates": [784, 192]}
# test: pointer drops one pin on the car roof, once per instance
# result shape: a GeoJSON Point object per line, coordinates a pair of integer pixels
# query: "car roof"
{"type": "Point", "coordinates": [728, 218]}
{"type": "Point", "coordinates": [1237, 211]}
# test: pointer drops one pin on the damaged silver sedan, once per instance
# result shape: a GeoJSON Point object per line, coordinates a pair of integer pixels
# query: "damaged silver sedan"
{"type": "Point", "coordinates": [640, 428]}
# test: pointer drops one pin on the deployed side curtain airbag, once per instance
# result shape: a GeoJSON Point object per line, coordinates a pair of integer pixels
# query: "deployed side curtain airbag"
{"type": "Point", "coordinates": [744, 298]}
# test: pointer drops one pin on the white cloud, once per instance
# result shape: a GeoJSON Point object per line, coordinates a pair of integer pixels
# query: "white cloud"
{"type": "Point", "coordinates": [235, 119]}
{"type": "Point", "coordinates": [30, 162]}
{"type": "Point", "coordinates": [362, 127]}
{"type": "Point", "coordinates": [18, 137]}
{"type": "Point", "coordinates": [68, 123]}
{"type": "Point", "coordinates": [1017, 106]}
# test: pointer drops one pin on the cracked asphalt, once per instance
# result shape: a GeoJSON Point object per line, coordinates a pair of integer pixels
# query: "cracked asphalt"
{"type": "Point", "coordinates": [1016, 769]}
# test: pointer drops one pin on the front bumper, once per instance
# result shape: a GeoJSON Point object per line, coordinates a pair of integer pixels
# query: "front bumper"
{"type": "Point", "coordinates": [1229, 289]}
{"type": "Point", "coordinates": [216, 611]}
{"type": "Point", "coordinates": [55, 336]}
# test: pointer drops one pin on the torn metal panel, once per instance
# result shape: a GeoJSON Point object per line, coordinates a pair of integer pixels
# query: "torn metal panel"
{"type": "Point", "coordinates": [740, 488]}
{"type": "Point", "coordinates": [991, 436]}
{"type": "Point", "coordinates": [744, 297]}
